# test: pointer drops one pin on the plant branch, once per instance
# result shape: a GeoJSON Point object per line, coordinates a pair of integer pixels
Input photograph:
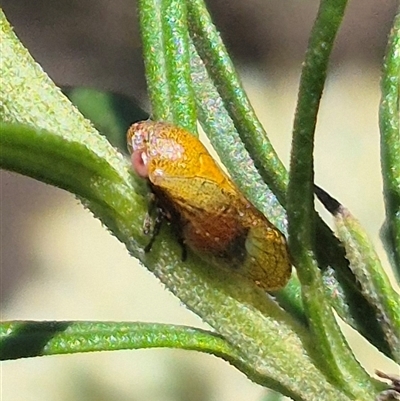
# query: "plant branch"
{"type": "Point", "coordinates": [274, 347]}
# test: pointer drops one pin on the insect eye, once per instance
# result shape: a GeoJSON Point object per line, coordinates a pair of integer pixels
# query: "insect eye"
{"type": "Point", "coordinates": [140, 161]}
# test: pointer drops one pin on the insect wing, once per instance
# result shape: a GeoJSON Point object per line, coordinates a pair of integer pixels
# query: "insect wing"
{"type": "Point", "coordinates": [210, 223]}
{"type": "Point", "coordinates": [268, 263]}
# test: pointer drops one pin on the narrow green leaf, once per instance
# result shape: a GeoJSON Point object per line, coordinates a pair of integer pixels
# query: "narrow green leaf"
{"type": "Point", "coordinates": [177, 61]}
{"type": "Point", "coordinates": [166, 53]}
{"type": "Point", "coordinates": [366, 266]}
{"type": "Point", "coordinates": [95, 173]}
{"type": "Point", "coordinates": [22, 339]}
{"type": "Point", "coordinates": [225, 139]}
{"type": "Point", "coordinates": [335, 353]}
{"type": "Point", "coordinates": [211, 49]}
{"type": "Point", "coordinates": [154, 60]}
{"type": "Point", "coordinates": [389, 121]}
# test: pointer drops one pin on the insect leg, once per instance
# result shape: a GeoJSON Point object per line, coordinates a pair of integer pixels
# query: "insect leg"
{"type": "Point", "coordinates": [182, 243]}
{"type": "Point", "coordinates": [159, 205]}
{"type": "Point", "coordinates": [156, 228]}
{"type": "Point", "coordinates": [151, 226]}
{"type": "Point", "coordinates": [160, 217]}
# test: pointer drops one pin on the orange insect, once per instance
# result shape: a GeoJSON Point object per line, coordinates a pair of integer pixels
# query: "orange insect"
{"type": "Point", "coordinates": [213, 218]}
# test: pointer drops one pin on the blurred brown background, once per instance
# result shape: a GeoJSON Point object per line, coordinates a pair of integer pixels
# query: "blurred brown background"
{"type": "Point", "coordinates": [50, 245]}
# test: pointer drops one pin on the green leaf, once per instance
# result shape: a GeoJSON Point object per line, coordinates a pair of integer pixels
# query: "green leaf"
{"type": "Point", "coordinates": [389, 121]}
{"type": "Point", "coordinates": [212, 51]}
{"type": "Point", "coordinates": [366, 266]}
{"type": "Point", "coordinates": [22, 339]}
{"type": "Point", "coordinates": [335, 353]}
{"type": "Point", "coordinates": [166, 45]}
